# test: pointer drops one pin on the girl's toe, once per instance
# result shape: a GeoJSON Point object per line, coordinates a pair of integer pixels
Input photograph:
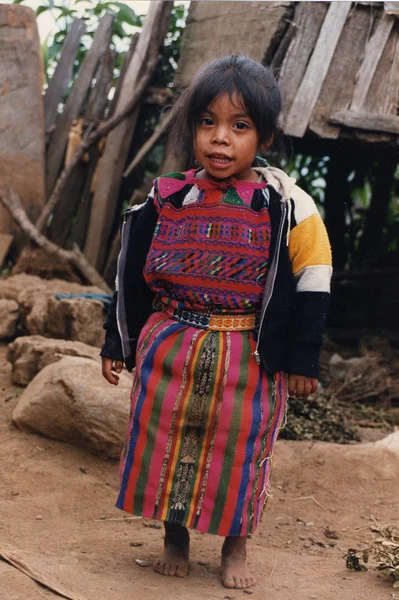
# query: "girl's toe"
{"type": "Point", "coordinates": [229, 582]}
{"type": "Point", "coordinates": [181, 571]}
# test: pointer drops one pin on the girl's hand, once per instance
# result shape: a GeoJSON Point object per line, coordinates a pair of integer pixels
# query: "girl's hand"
{"type": "Point", "coordinates": [109, 365]}
{"type": "Point", "coordinates": [300, 386]}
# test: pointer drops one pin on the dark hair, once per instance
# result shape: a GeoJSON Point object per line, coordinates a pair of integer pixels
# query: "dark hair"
{"type": "Point", "coordinates": [238, 75]}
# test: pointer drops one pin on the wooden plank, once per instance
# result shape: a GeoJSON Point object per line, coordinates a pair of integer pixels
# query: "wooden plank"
{"type": "Point", "coordinates": [214, 29]}
{"type": "Point", "coordinates": [125, 64]}
{"type": "Point", "coordinates": [337, 91]}
{"type": "Point", "coordinates": [391, 8]}
{"type": "Point", "coordinates": [105, 198]}
{"type": "Point", "coordinates": [5, 243]}
{"type": "Point", "coordinates": [307, 21]}
{"type": "Point", "coordinates": [99, 95]}
{"type": "Point", "coordinates": [73, 106]}
{"type": "Point", "coordinates": [366, 121]}
{"type": "Point", "coordinates": [374, 50]}
{"type": "Point", "coordinates": [72, 196]}
{"type": "Point", "coordinates": [58, 84]}
{"type": "Point", "coordinates": [382, 96]}
{"type": "Point", "coordinates": [391, 97]}
{"type": "Point", "coordinates": [309, 90]}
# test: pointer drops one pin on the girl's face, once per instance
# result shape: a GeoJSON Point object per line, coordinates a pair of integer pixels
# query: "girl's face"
{"type": "Point", "coordinates": [226, 140]}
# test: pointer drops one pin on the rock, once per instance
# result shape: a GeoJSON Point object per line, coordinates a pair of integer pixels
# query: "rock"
{"type": "Point", "coordinates": [391, 442]}
{"type": "Point", "coordinates": [339, 366]}
{"type": "Point", "coordinates": [36, 261]}
{"type": "Point", "coordinates": [30, 354]}
{"type": "Point", "coordinates": [9, 313]}
{"type": "Point", "coordinates": [42, 313]}
{"type": "Point", "coordinates": [78, 319]}
{"type": "Point", "coordinates": [70, 401]}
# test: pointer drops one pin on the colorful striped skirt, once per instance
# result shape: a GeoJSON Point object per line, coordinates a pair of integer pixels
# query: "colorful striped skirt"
{"type": "Point", "coordinates": [204, 420]}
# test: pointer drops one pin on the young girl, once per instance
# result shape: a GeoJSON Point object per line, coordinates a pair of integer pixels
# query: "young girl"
{"type": "Point", "coordinates": [238, 262]}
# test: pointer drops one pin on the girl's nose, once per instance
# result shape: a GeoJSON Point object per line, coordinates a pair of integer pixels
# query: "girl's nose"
{"type": "Point", "coordinates": [220, 136]}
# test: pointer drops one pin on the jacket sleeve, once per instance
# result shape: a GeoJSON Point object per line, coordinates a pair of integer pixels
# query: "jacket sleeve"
{"type": "Point", "coordinates": [112, 347]}
{"type": "Point", "coordinates": [311, 263]}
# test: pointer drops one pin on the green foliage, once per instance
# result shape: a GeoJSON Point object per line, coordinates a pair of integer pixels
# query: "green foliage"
{"type": "Point", "coordinates": [63, 15]}
{"type": "Point", "coordinates": [311, 172]}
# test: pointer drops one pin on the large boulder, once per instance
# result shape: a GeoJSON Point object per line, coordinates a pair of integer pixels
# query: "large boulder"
{"type": "Point", "coordinates": [9, 313]}
{"type": "Point", "coordinates": [30, 354]}
{"type": "Point", "coordinates": [70, 401]}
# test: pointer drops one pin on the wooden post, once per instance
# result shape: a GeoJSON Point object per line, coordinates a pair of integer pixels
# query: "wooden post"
{"type": "Point", "coordinates": [71, 197]}
{"type": "Point", "coordinates": [58, 84]}
{"type": "Point", "coordinates": [118, 141]}
{"type": "Point", "coordinates": [73, 106]}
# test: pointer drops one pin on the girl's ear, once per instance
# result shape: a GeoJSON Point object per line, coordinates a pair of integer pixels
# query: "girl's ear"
{"type": "Point", "coordinates": [265, 145]}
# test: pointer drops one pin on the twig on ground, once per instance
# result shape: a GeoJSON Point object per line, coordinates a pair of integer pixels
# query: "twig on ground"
{"type": "Point", "coordinates": [309, 498]}
{"type": "Point", "coordinates": [10, 555]}
{"type": "Point", "coordinates": [274, 568]}
{"type": "Point", "coordinates": [134, 518]}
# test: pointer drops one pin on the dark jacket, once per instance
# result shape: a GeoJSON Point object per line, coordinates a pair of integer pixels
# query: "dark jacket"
{"type": "Point", "coordinates": [296, 291]}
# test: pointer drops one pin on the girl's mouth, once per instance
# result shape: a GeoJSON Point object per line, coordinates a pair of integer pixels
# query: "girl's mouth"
{"type": "Point", "coordinates": [219, 160]}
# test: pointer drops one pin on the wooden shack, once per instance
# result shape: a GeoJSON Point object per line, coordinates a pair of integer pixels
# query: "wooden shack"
{"type": "Point", "coordinates": [337, 64]}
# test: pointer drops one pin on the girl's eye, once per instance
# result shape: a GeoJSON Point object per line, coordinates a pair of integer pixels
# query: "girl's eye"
{"type": "Point", "coordinates": [206, 121]}
{"type": "Point", "coordinates": [241, 125]}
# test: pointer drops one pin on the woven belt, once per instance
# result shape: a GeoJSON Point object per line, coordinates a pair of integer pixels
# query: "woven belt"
{"type": "Point", "coordinates": [204, 320]}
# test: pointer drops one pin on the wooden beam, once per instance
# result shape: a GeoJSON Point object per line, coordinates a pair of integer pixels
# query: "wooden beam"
{"type": "Point", "coordinates": [369, 122]}
{"type": "Point", "coordinates": [73, 106]}
{"type": "Point", "coordinates": [309, 90]}
{"type": "Point", "coordinates": [373, 53]}
{"type": "Point", "coordinates": [58, 84]}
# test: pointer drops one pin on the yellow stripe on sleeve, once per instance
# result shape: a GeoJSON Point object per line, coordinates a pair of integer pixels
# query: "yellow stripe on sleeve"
{"type": "Point", "coordinates": [309, 244]}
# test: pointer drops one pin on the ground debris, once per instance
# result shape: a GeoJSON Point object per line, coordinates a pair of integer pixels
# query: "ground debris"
{"type": "Point", "coordinates": [384, 550]}
{"type": "Point", "coordinates": [363, 393]}
{"type": "Point", "coordinates": [317, 418]}
{"type": "Point", "coordinates": [387, 551]}
{"type": "Point", "coordinates": [331, 534]}
{"type": "Point", "coordinates": [355, 559]}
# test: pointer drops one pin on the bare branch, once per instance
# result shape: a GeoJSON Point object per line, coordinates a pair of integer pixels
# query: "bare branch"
{"type": "Point", "coordinates": [149, 144]}
{"type": "Point", "coordinates": [13, 204]}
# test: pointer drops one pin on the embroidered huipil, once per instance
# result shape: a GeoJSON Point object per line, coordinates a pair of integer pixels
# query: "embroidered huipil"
{"type": "Point", "coordinates": [204, 416]}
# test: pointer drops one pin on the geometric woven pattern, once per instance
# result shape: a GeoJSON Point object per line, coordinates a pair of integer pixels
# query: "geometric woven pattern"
{"type": "Point", "coordinates": [213, 253]}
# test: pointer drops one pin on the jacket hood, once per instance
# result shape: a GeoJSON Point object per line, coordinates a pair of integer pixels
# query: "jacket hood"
{"type": "Point", "coordinates": [281, 182]}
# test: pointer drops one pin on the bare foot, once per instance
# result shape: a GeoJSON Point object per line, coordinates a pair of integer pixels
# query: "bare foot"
{"type": "Point", "coordinates": [174, 561]}
{"type": "Point", "coordinates": [235, 573]}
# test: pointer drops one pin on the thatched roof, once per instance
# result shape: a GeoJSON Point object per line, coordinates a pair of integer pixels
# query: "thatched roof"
{"type": "Point", "coordinates": [337, 63]}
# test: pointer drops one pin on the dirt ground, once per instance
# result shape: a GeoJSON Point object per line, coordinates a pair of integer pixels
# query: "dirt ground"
{"type": "Point", "coordinates": [57, 510]}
